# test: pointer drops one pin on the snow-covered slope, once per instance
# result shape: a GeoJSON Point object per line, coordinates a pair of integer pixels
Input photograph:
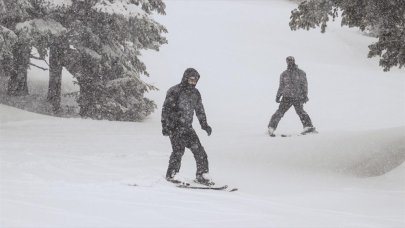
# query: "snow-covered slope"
{"type": "Point", "coordinates": [239, 48]}
{"type": "Point", "coordinates": [58, 172]}
{"type": "Point", "coordinates": [71, 173]}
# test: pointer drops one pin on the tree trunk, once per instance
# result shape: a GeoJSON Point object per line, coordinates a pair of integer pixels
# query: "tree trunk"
{"type": "Point", "coordinates": [17, 84]}
{"type": "Point", "coordinates": [2, 71]}
{"type": "Point", "coordinates": [56, 55]}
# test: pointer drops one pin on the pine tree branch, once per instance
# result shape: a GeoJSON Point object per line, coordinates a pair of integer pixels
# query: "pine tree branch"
{"type": "Point", "coordinates": [39, 58]}
{"type": "Point", "coordinates": [42, 68]}
{"type": "Point", "coordinates": [34, 57]}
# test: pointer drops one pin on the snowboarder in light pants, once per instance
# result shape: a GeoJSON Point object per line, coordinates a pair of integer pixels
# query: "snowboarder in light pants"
{"type": "Point", "coordinates": [294, 92]}
{"type": "Point", "coordinates": [182, 100]}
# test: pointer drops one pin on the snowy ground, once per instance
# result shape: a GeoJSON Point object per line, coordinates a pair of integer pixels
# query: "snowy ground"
{"type": "Point", "coordinates": [75, 173]}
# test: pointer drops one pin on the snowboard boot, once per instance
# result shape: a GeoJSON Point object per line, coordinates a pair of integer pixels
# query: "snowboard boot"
{"type": "Point", "coordinates": [271, 132]}
{"type": "Point", "coordinates": [171, 177]}
{"type": "Point", "coordinates": [309, 130]}
{"type": "Point", "coordinates": [204, 180]}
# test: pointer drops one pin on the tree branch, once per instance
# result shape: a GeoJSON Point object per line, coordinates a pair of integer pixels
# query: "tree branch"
{"type": "Point", "coordinates": [42, 68]}
{"type": "Point", "coordinates": [34, 57]}
{"type": "Point", "coordinates": [39, 58]}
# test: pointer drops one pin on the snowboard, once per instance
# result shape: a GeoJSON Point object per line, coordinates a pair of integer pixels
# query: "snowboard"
{"type": "Point", "coordinates": [181, 184]}
{"type": "Point", "coordinates": [206, 187]}
{"type": "Point", "coordinates": [291, 135]}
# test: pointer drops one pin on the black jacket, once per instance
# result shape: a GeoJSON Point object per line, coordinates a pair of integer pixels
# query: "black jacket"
{"type": "Point", "coordinates": [293, 84]}
{"type": "Point", "coordinates": [179, 106]}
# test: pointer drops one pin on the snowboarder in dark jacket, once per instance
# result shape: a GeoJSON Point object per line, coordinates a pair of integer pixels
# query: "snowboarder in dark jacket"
{"type": "Point", "coordinates": [293, 90]}
{"type": "Point", "coordinates": [182, 100]}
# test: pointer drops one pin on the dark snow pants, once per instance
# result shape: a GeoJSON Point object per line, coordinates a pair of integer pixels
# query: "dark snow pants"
{"type": "Point", "coordinates": [186, 139]}
{"type": "Point", "coordinates": [286, 104]}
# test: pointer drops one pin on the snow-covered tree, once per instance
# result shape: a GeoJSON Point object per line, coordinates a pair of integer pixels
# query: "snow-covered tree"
{"type": "Point", "coordinates": [46, 34]}
{"type": "Point", "coordinates": [15, 54]}
{"type": "Point", "coordinates": [106, 37]}
{"type": "Point", "coordinates": [98, 41]}
{"type": "Point", "coordinates": [29, 24]}
{"type": "Point", "coordinates": [7, 38]}
{"type": "Point", "coordinates": [7, 41]}
{"type": "Point", "coordinates": [386, 18]}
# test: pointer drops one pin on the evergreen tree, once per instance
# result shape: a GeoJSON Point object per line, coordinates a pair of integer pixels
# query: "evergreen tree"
{"type": "Point", "coordinates": [386, 18]}
{"type": "Point", "coordinates": [7, 40]}
{"type": "Point", "coordinates": [15, 53]}
{"type": "Point", "coordinates": [47, 35]}
{"type": "Point", "coordinates": [98, 41]}
{"type": "Point", "coordinates": [106, 37]}
{"type": "Point", "coordinates": [29, 21]}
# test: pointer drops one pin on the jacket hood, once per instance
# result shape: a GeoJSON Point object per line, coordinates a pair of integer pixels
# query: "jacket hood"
{"type": "Point", "coordinates": [190, 72]}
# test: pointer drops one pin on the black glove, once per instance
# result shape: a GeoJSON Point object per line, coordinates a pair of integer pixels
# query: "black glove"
{"type": "Point", "coordinates": [208, 129]}
{"type": "Point", "coordinates": [166, 132]}
{"type": "Point", "coordinates": [278, 99]}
